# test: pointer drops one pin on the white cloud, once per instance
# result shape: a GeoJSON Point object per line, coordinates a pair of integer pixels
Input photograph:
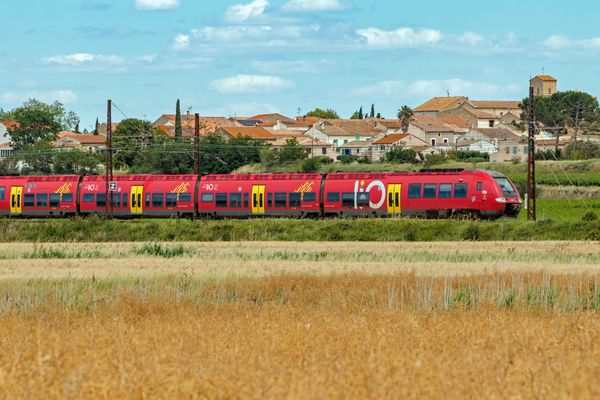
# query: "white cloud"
{"type": "Point", "coordinates": [471, 39]}
{"type": "Point", "coordinates": [251, 84]}
{"type": "Point", "coordinates": [154, 5]}
{"type": "Point", "coordinates": [558, 42]}
{"type": "Point", "coordinates": [401, 37]}
{"type": "Point", "coordinates": [148, 58]}
{"type": "Point", "coordinates": [314, 5]}
{"type": "Point", "coordinates": [430, 88]}
{"type": "Point", "coordinates": [293, 66]}
{"type": "Point", "coordinates": [181, 42]}
{"type": "Point", "coordinates": [243, 12]}
{"type": "Point", "coordinates": [83, 59]}
{"type": "Point", "coordinates": [231, 33]}
{"type": "Point", "coordinates": [63, 96]}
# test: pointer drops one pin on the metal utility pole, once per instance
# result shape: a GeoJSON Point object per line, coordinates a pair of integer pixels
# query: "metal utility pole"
{"type": "Point", "coordinates": [197, 144]}
{"type": "Point", "coordinates": [109, 161]}
{"type": "Point", "coordinates": [530, 201]}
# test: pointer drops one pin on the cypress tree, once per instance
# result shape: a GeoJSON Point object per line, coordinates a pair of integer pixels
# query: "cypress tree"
{"type": "Point", "coordinates": [360, 114]}
{"type": "Point", "coordinates": [178, 129]}
{"type": "Point", "coordinates": [372, 115]}
{"type": "Point", "coordinates": [96, 127]}
{"type": "Point", "coordinates": [77, 128]}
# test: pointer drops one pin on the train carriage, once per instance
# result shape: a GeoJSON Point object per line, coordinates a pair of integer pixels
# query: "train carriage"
{"type": "Point", "coordinates": [291, 195]}
{"type": "Point", "coordinates": [39, 196]}
{"type": "Point", "coordinates": [141, 195]}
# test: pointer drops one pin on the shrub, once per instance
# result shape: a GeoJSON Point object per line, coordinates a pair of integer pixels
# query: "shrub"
{"type": "Point", "coordinates": [471, 232]}
{"type": "Point", "coordinates": [589, 216]}
{"type": "Point", "coordinates": [347, 158]}
{"type": "Point", "coordinates": [311, 164]}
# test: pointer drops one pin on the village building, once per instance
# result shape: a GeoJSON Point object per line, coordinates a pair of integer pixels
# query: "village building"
{"type": "Point", "coordinates": [81, 141]}
{"type": "Point", "coordinates": [432, 107]}
{"type": "Point", "coordinates": [208, 125]}
{"type": "Point", "coordinates": [254, 132]}
{"type": "Point", "coordinates": [338, 132]}
{"type": "Point", "coordinates": [434, 131]}
{"type": "Point", "coordinates": [543, 85]}
{"type": "Point", "coordinates": [6, 150]}
{"type": "Point", "coordinates": [501, 144]}
{"type": "Point", "coordinates": [383, 145]}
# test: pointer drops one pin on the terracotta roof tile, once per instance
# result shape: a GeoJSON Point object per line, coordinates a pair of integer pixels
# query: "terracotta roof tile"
{"type": "Point", "coordinates": [545, 77]}
{"type": "Point", "coordinates": [391, 138]}
{"type": "Point", "coordinates": [357, 144]}
{"type": "Point", "coordinates": [504, 104]}
{"type": "Point", "coordinates": [439, 103]}
{"type": "Point", "coordinates": [430, 124]}
{"type": "Point", "coordinates": [255, 132]}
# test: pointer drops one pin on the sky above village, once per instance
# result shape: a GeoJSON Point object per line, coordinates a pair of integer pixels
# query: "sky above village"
{"type": "Point", "coordinates": [247, 57]}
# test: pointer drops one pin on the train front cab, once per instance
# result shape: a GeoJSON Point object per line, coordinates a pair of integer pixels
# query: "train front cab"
{"type": "Point", "coordinates": [11, 196]}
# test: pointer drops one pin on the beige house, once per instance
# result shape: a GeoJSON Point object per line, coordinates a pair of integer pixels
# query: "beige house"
{"type": "Point", "coordinates": [359, 148]}
{"type": "Point", "coordinates": [254, 132]}
{"type": "Point", "coordinates": [435, 132]}
{"type": "Point", "coordinates": [432, 107]}
{"type": "Point", "coordinates": [6, 150]}
{"type": "Point", "coordinates": [383, 145]}
{"type": "Point", "coordinates": [314, 147]}
{"type": "Point", "coordinates": [474, 117]}
{"type": "Point", "coordinates": [501, 144]}
{"type": "Point", "coordinates": [81, 141]}
{"type": "Point", "coordinates": [338, 132]}
{"type": "Point", "coordinates": [497, 107]}
{"type": "Point", "coordinates": [543, 85]}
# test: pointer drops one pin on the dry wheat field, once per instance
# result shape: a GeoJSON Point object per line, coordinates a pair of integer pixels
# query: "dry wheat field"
{"type": "Point", "coordinates": [300, 320]}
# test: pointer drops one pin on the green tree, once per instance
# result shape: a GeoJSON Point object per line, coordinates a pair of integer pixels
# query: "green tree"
{"type": "Point", "coordinates": [328, 113]}
{"type": "Point", "coordinates": [96, 127]}
{"type": "Point", "coordinates": [178, 127]}
{"type": "Point", "coordinates": [37, 157]}
{"type": "Point", "coordinates": [292, 151]}
{"type": "Point", "coordinates": [398, 154]}
{"type": "Point", "coordinates": [405, 114]}
{"type": "Point", "coordinates": [221, 156]}
{"type": "Point", "coordinates": [34, 124]}
{"type": "Point", "coordinates": [168, 158]}
{"type": "Point", "coordinates": [75, 162]}
{"type": "Point", "coordinates": [570, 109]}
{"type": "Point", "coordinates": [77, 128]}
{"type": "Point", "coordinates": [5, 115]}
{"type": "Point", "coordinates": [372, 114]}
{"type": "Point", "coordinates": [131, 140]}
{"type": "Point", "coordinates": [358, 114]}
{"type": "Point", "coordinates": [378, 116]}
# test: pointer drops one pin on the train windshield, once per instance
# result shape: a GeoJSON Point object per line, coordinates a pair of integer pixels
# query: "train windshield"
{"type": "Point", "coordinates": [506, 186]}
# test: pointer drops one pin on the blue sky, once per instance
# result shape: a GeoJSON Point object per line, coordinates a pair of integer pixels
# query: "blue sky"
{"type": "Point", "coordinates": [246, 57]}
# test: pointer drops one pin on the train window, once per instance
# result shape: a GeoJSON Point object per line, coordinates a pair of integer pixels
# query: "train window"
{"type": "Point", "coordinates": [158, 199]}
{"type": "Point", "coordinates": [295, 199]}
{"type": "Point", "coordinates": [429, 190]}
{"type": "Point", "coordinates": [55, 200]}
{"type": "Point", "coordinates": [310, 196]}
{"type": "Point", "coordinates": [125, 199]}
{"type": "Point", "coordinates": [221, 200]}
{"type": "Point", "coordinates": [348, 199]}
{"type": "Point", "coordinates": [2, 192]}
{"type": "Point", "coordinates": [445, 191]}
{"type": "Point", "coordinates": [270, 199]}
{"type": "Point", "coordinates": [208, 197]}
{"type": "Point", "coordinates": [185, 197]}
{"type": "Point", "coordinates": [115, 199]}
{"type": "Point", "coordinates": [362, 199]}
{"type": "Point", "coordinates": [460, 190]}
{"type": "Point", "coordinates": [88, 198]}
{"type": "Point", "coordinates": [333, 196]}
{"type": "Point", "coordinates": [41, 200]}
{"type": "Point", "coordinates": [147, 199]}
{"type": "Point", "coordinates": [280, 200]}
{"type": "Point", "coordinates": [101, 200]}
{"type": "Point", "coordinates": [235, 200]}
{"type": "Point", "coordinates": [479, 186]}
{"type": "Point", "coordinates": [29, 200]}
{"type": "Point", "coordinates": [67, 197]}
{"type": "Point", "coordinates": [246, 200]}
{"type": "Point", "coordinates": [414, 191]}
{"type": "Point", "coordinates": [171, 200]}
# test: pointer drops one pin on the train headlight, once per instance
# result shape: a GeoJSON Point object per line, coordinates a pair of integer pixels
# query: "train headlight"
{"type": "Point", "coordinates": [501, 199]}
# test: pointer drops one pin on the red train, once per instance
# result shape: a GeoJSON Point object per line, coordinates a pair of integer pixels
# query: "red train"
{"type": "Point", "coordinates": [429, 193]}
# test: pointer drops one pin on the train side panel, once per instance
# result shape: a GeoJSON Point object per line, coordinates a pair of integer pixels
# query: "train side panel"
{"type": "Point", "coordinates": [284, 195]}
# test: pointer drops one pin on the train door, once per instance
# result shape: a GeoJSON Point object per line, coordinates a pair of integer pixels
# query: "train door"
{"type": "Point", "coordinates": [136, 205]}
{"type": "Point", "coordinates": [258, 199]}
{"type": "Point", "coordinates": [16, 197]}
{"type": "Point", "coordinates": [393, 198]}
